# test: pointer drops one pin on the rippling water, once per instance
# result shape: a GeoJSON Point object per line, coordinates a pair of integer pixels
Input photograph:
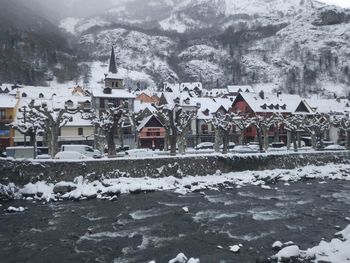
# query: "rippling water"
{"type": "Point", "coordinates": [153, 226]}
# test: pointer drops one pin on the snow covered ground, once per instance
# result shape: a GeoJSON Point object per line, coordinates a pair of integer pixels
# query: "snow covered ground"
{"type": "Point", "coordinates": [109, 189]}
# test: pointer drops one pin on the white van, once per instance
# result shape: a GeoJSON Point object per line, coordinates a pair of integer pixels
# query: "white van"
{"type": "Point", "coordinates": [86, 150]}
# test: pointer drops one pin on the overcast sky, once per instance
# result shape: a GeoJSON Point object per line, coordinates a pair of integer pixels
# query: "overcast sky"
{"type": "Point", "coordinates": [343, 3]}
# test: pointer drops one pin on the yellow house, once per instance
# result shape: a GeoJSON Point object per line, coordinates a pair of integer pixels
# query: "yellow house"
{"type": "Point", "coordinates": [8, 109]}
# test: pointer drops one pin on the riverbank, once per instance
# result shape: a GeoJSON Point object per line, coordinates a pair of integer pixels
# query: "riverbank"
{"type": "Point", "coordinates": [22, 172]}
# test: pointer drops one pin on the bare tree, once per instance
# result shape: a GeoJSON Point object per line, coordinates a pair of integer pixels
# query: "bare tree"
{"type": "Point", "coordinates": [241, 123]}
{"type": "Point", "coordinates": [109, 122]}
{"type": "Point", "coordinates": [51, 120]}
{"type": "Point", "coordinates": [223, 125]}
{"type": "Point", "coordinates": [262, 125]}
{"type": "Point", "coordinates": [343, 123]}
{"type": "Point", "coordinates": [293, 124]}
{"type": "Point", "coordinates": [30, 123]}
{"type": "Point", "coordinates": [317, 126]}
{"type": "Point", "coordinates": [176, 122]}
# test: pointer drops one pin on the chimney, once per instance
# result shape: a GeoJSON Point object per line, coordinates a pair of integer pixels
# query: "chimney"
{"type": "Point", "coordinates": [262, 94]}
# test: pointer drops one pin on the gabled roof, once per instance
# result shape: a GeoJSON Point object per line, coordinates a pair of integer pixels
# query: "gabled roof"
{"type": "Point", "coordinates": [273, 103]}
{"type": "Point", "coordinates": [329, 105]}
{"type": "Point", "coordinates": [144, 122]}
{"type": "Point", "coordinates": [240, 88]}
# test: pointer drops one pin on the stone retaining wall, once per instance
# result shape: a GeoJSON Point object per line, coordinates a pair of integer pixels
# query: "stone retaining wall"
{"type": "Point", "coordinates": [23, 172]}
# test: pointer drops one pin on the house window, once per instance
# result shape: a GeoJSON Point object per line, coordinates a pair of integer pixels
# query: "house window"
{"type": "Point", "coordinates": [41, 95]}
{"type": "Point", "coordinates": [249, 129]}
{"type": "Point", "coordinates": [112, 84]}
{"type": "Point", "coordinates": [80, 131]}
{"type": "Point", "coordinates": [117, 84]}
{"type": "Point", "coordinates": [205, 129]}
{"type": "Point", "coordinates": [24, 95]}
{"type": "Point", "coordinates": [2, 115]}
{"type": "Point", "coordinates": [102, 103]}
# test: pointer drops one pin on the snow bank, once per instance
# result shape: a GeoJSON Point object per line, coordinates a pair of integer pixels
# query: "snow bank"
{"type": "Point", "coordinates": [109, 189]}
{"type": "Point", "coordinates": [335, 251]}
{"type": "Point", "coordinates": [12, 209]}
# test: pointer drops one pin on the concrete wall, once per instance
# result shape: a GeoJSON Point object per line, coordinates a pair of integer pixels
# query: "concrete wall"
{"type": "Point", "coordinates": [22, 172]}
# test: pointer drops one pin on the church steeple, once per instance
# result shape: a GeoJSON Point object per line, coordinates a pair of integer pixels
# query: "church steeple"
{"type": "Point", "coordinates": [112, 64]}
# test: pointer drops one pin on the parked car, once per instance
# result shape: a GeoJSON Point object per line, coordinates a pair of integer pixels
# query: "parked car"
{"type": "Point", "coordinates": [70, 155]}
{"type": "Point", "coordinates": [230, 146]}
{"type": "Point", "coordinates": [277, 147]}
{"type": "Point", "coordinates": [43, 157]}
{"type": "Point", "coordinates": [245, 149]}
{"type": "Point", "coordinates": [20, 152]}
{"type": "Point", "coordinates": [334, 147]}
{"type": "Point", "coordinates": [122, 149]}
{"type": "Point", "coordinates": [140, 153]}
{"type": "Point", "coordinates": [254, 145]}
{"type": "Point", "coordinates": [205, 145]}
{"type": "Point", "coordinates": [325, 144]}
{"type": "Point", "coordinates": [83, 149]}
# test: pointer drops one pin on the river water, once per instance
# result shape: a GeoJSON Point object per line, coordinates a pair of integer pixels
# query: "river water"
{"type": "Point", "coordinates": [153, 226]}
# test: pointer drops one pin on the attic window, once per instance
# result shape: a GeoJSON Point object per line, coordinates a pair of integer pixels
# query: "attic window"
{"type": "Point", "coordinates": [264, 106]}
{"type": "Point", "coordinates": [107, 91]}
{"type": "Point", "coordinates": [206, 112]}
{"type": "Point", "coordinates": [187, 101]}
{"type": "Point", "coordinates": [247, 90]}
{"type": "Point", "coordinates": [284, 107]}
{"type": "Point", "coordinates": [277, 107]}
{"type": "Point", "coordinates": [41, 96]}
{"type": "Point", "coordinates": [271, 106]}
{"type": "Point", "coordinates": [69, 103]}
{"type": "Point", "coordinates": [24, 95]}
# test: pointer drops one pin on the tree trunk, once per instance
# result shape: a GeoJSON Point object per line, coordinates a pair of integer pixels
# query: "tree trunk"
{"type": "Point", "coordinates": [225, 141]}
{"type": "Point", "coordinates": [217, 140]}
{"type": "Point", "coordinates": [348, 139]}
{"type": "Point", "coordinates": [241, 137]}
{"type": "Point", "coordinates": [112, 153]}
{"type": "Point", "coordinates": [33, 143]}
{"type": "Point", "coordinates": [54, 141]}
{"type": "Point", "coordinates": [294, 139]}
{"type": "Point", "coordinates": [288, 139]}
{"type": "Point", "coordinates": [313, 140]}
{"type": "Point", "coordinates": [172, 144]}
{"type": "Point", "coordinates": [182, 144]}
{"type": "Point", "coordinates": [166, 141]}
{"type": "Point", "coordinates": [261, 148]}
{"type": "Point", "coordinates": [277, 134]}
{"type": "Point", "coordinates": [266, 138]}
{"type": "Point", "coordinates": [121, 137]}
{"type": "Point", "coordinates": [299, 139]}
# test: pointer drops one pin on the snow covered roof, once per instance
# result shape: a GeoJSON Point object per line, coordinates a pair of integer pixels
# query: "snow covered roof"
{"type": "Point", "coordinates": [111, 75]}
{"type": "Point", "coordinates": [208, 106]}
{"type": "Point", "coordinates": [191, 86]}
{"type": "Point", "coordinates": [115, 93]}
{"type": "Point", "coordinates": [141, 106]}
{"type": "Point", "coordinates": [145, 121]}
{"type": "Point", "coordinates": [214, 92]}
{"type": "Point", "coordinates": [240, 88]}
{"type": "Point", "coordinates": [283, 103]}
{"type": "Point", "coordinates": [7, 101]}
{"type": "Point", "coordinates": [182, 87]}
{"type": "Point", "coordinates": [329, 105]}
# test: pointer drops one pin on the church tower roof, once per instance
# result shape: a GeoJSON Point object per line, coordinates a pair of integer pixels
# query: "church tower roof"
{"type": "Point", "coordinates": [112, 64]}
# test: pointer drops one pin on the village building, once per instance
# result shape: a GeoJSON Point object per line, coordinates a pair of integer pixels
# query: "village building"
{"type": "Point", "coordinates": [8, 108]}
{"type": "Point", "coordinates": [114, 93]}
{"type": "Point", "coordinates": [151, 133]}
{"type": "Point", "coordinates": [251, 104]}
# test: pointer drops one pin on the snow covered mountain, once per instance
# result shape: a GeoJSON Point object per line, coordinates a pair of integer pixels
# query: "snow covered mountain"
{"type": "Point", "coordinates": [299, 46]}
